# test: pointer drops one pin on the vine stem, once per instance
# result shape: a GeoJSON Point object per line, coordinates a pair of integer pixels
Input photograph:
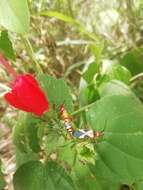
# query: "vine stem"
{"type": "Point", "coordinates": [84, 108]}
{"type": "Point", "coordinates": [31, 53]}
{"type": "Point", "coordinates": [137, 78]}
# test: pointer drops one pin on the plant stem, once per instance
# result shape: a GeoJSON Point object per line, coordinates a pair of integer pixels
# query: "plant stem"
{"type": "Point", "coordinates": [72, 67]}
{"type": "Point", "coordinates": [70, 8]}
{"type": "Point", "coordinates": [31, 54]}
{"type": "Point", "coordinates": [75, 159]}
{"type": "Point", "coordinates": [84, 108]}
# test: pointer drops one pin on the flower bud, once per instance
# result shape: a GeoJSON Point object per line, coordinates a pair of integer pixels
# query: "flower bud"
{"type": "Point", "coordinates": [27, 95]}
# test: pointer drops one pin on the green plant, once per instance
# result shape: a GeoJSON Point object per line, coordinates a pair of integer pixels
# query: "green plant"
{"type": "Point", "coordinates": [48, 155]}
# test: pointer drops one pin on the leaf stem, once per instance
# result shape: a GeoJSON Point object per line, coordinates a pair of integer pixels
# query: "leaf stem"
{"type": "Point", "coordinates": [84, 108]}
{"type": "Point", "coordinates": [31, 53]}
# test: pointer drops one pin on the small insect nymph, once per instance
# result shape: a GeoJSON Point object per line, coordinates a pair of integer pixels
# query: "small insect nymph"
{"type": "Point", "coordinates": [81, 133]}
{"type": "Point", "coordinates": [66, 118]}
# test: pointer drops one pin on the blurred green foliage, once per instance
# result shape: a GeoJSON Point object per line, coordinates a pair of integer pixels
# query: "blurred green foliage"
{"type": "Point", "coordinates": [96, 46]}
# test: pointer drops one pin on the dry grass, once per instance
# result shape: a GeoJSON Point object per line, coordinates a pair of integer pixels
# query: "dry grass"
{"type": "Point", "coordinates": [7, 155]}
{"type": "Point", "coordinates": [58, 58]}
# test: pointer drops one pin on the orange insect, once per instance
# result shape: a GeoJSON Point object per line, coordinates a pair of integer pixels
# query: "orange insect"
{"type": "Point", "coordinates": [66, 119]}
{"type": "Point", "coordinates": [81, 133]}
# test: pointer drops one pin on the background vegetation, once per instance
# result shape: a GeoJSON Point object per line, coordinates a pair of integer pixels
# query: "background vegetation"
{"type": "Point", "coordinates": [89, 44]}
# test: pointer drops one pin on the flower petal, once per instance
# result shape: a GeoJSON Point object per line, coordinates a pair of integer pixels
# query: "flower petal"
{"type": "Point", "coordinates": [30, 94]}
{"type": "Point", "coordinates": [27, 95]}
{"type": "Point", "coordinates": [14, 101]}
{"type": "Point", "coordinates": [31, 79]}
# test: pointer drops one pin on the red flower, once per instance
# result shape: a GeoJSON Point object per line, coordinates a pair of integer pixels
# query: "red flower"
{"type": "Point", "coordinates": [27, 95]}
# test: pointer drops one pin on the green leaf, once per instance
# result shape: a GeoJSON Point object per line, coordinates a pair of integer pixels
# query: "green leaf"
{"type": "Point", "coordinates": [2, 181]}
{"type": "Point", "coordinates": [25, 135]}
{"type": "Point", "coordinates": [51, 142]}
{"type": "Point", "coordinates": [25, 139]}
{"type": "Point", "coordinates": [120, 73]}
{"type": "Point", "coordinates": [137, 87]}
{"type": "Point", "coordinates": [69, 20]}
{"type": "Point", "coordinates": [114, 71]}
{"type": "Point", "coordinates": [110, 71]}
{"type": "Point", "coordinates": [31, 131]}
{"type": "Point", "coordinates": [6, 45]}
{"type": "Point", "coordinates": [14, 15]}
{"type": "Point", "coordinates": [96, 49]}
{"type": "Point", "coordinates": [23, 157]}
{"type": "Point", "coordinates": [19, 138]}
{"type": "Point", "coordinates": [57, 91]}
{"type": "Point", "coordinates": [82, 171]}
{"type": "Point", "coordinates": [63, 149]}
{"type": "Point", "coordinates": [88, 95]}
{"type": "Point", "coordinates": [66, 153]}
{"type": "Point", "coordinates": [120, 149]}
{"type": "Point", "coordinates": [93, 68]}
{"type": "Point", "coordinates": [114, 87]}
{"type": "Point", "coordinates": [37, 176]}
{"type": "Point", "coordinates": [86, 152]}
{"type": "Point", "coordinates": [138, 186]}
{"type": "Point", "coordinates": [59, 16]}
{"type": "Point", "coordinates": [133, 61]}
{"type": "Point", "coordinates": [83, 177]}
